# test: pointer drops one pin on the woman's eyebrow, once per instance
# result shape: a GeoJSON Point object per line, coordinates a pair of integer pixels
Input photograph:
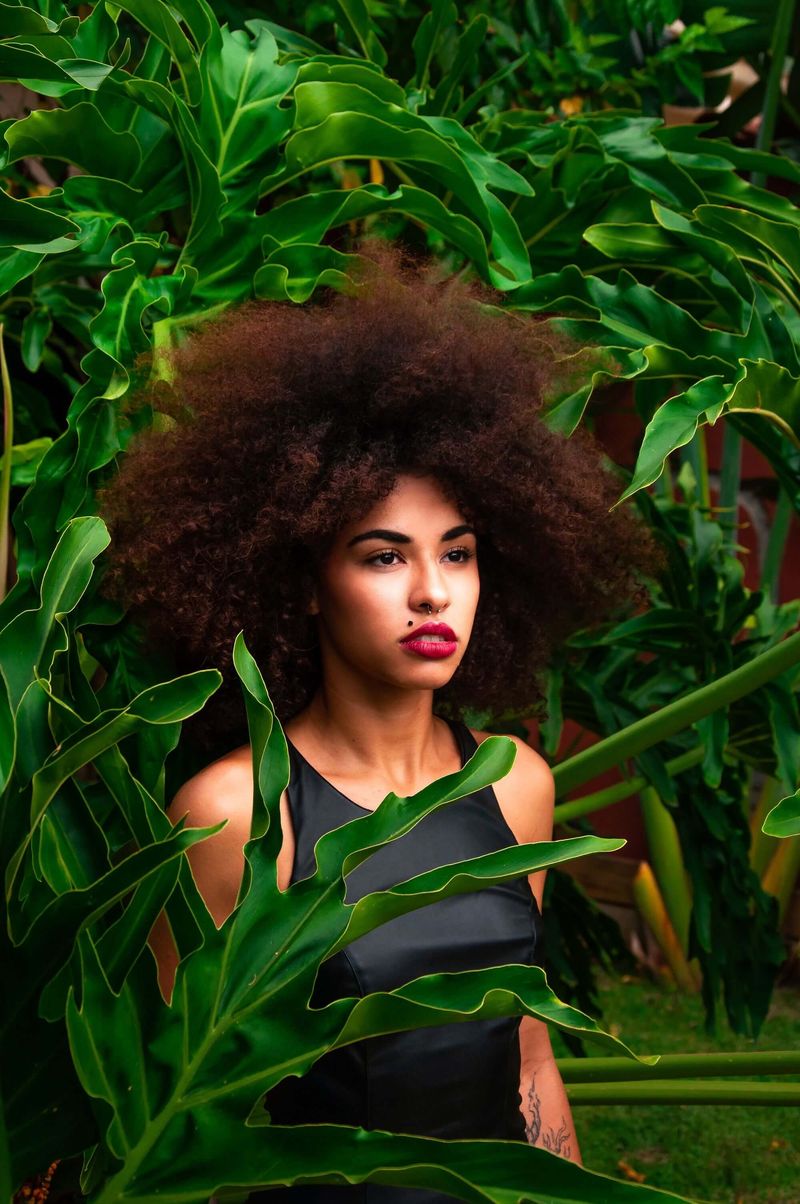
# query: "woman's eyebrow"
{"type": "Point", "coordinates": [398, 537]}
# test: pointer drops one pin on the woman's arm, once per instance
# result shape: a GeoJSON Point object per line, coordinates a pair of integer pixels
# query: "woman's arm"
{"type": "Point", "coordinates": [548, 1119]}
{"type": "Point", "coordinates": [221, 791]}
{"type": "Point", "coordinates": [526, 797]}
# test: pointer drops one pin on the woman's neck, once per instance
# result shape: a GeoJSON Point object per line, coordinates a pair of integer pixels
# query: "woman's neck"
{"type": "Point", "coordinates": [394, 739]}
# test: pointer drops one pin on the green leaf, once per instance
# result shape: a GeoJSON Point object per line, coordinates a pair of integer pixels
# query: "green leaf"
{"type": "Point", "coordinates": [28, 642]}
{"type": "Point", "coordinates": [355, 15]}
{"type": "Point", "coordinates": [158, 20]}
{"type": "Point", "coordinates": [784, 818]}
{"type": "Point", "coordinates": [488, 870]}
{"type": "Point", "coordinates": [674, 425]}
{"type": "Point", "coordinates": [466, 52]}
{"type": "Point", "coordinates": [443, 14]}
{"type": "Point", "coordinates": [168, 702]}
{"type": "Point", "coordinates": [753, 236]}
{"type": "Point", "coordinates": [476, 1171]}
{"type": "Point", "coordinates": [241, 108]}
{"type": "Point", "coordinates": [465, 996]}
{"type": "Point", "coordinates": [29, 226]}
{"type": "Point", "coordinates": [761, 387]}
{"type": "Point", "coordinates": [79, 135]}
{"type": "Point", "coordinates": [35, 332]}
{"type": "Point", "coordinates": [310, 217]}
{"type": "Point", "coordinates": [16, 20]}
{"type": "Point", "coordinates": [294, 272]}
{"type": "Point", "coordinates": [330, 127]}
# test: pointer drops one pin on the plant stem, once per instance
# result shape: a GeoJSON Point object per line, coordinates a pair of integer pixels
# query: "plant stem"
{"type": "Point", "coordinates": [763, 847]}
{"type": "Point", "coordinates": [666, 858]}
{"type": "Point", "coordinates": [677, 1091]}
{"type": "Point", "coordinates": [773, 557]}
{"type": "Point", "coordinates": [781, 873]}
{"type": "Point", "coordinates": [676, 716]}
{"type": "Point", "coordinates": [729, 481]}
{"type": "Point", "coordinates": [781, 32]}
{"type": "Point", "coordinates": [5, 475]}
{"type": "Point", "coordinates": [651, 907]}
{"type": "Point", "coordinates": [678, 1066]}
{"type": "Point", "coordinates": [622, 790]}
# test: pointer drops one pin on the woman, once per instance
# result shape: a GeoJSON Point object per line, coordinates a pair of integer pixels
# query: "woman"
{"type": "Point", "coordinates": [365, 487]}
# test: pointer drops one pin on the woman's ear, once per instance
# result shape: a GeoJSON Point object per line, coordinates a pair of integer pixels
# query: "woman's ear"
{"type": "Point", "coordinates": [313, 606]}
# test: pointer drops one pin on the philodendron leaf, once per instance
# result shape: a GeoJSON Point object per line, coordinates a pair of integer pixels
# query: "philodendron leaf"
{"type": "Point", "coordinates": [55, 928]}
{"type": "Point", "coordinates": [169, 702]}
{"type": "Point", "coordinates": [29, 641]}
{"type": "Point", "coordinates": [158, 19]}
{"type": "Point", "coordinates": [784, 818]}
{"type": "Point", "coordinates": [311, 216]}
{"type": "Point", "coordinates": [231, 1030]}
{"type": "Point", "coordinates": [482, 1172]}
{"type": "Point", "coordinates": [355, 14]}
{"type": "Point", "coordinates": [674, 425]}
{"type": "Point", "coordinates": [754, 237]}
{"type": "Point", "coordinates": [468, 995]}
{"type": "Point", "coordinates": [761, 388]}
{"type": "Point", "coordinates": [335, 120]}
{"type": "Point", "coordinates": [23, 224]}
{"type": "Point", "coordinates": [460, 877]}
{"type": "Point", "coordinates": [80, 135]}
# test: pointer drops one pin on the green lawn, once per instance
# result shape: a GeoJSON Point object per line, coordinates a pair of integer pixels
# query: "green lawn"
{"type": "Point", "coordinates": [729, 1155]}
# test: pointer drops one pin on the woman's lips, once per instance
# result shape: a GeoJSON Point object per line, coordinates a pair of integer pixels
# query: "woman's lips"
{"type": "Point", "coordinates": [435, 648]}
{"type": "Point", "coordinates": [434, 640]}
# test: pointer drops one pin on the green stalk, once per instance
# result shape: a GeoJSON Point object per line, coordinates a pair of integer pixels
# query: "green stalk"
{"type": "Point", "coordinates": [564, 812]}
{"type": "Point", "coordinates": [5, 473]}
{"type": "Point", "coordinates": [677, 1091]}
{"type": "Point", "coordinates": [730, 479]}
{"type": "Point", "coordinates": [781, 32]}
{"type": "Point", "coordinates": [676, 716]}
{"type": "Point", "coordinates": [651, 907]}
{"type": "Point", "coordinates": [695, 454]}
{"type": "Point", "coordinates": [666, 858]}
{"type": "Point", "coordinates": [773, 558]}
{"type": "Point", "coordinates": [782, 872]}
{"type": "Point", "coordinates": [762, 847]}
{"type": "Point", "coordinates": [702, 460]}
{"type": "Point", "coordinates": [678, 1066]}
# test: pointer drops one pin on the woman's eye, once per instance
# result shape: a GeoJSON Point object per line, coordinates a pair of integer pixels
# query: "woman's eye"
{"type": "Point", "coordinates": [386, 558]}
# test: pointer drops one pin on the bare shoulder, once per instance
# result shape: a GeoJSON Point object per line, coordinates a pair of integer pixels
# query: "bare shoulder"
{"type": "Point", "coordinates": [527, 793]}
{"type": "Point", "coordinates": [224, 790]}
{"type": "Point", "coordinates": [221, 790]}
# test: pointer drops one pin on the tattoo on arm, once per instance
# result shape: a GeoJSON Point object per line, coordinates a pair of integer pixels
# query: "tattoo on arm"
{"type": "Point", "coordinates": [555, 1140]}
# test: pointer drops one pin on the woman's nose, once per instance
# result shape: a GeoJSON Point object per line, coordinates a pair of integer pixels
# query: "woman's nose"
{"type": "Point", "coordinates": [430, 590]}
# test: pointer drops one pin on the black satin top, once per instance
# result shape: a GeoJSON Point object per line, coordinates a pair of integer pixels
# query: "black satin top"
{"type": "Point", "coordinates": [454, 1080]}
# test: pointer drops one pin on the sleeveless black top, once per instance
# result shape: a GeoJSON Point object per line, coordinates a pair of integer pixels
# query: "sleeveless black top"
{"type": "Point", "coordinates": [455, 1080]}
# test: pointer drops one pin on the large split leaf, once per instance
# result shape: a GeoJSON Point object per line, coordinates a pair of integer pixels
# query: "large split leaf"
{"type": "Point", "coordinates": [230, 1033]}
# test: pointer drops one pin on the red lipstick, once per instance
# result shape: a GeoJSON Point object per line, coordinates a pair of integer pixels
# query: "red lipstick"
{"type": "Point", "coordinates": [441, 641]}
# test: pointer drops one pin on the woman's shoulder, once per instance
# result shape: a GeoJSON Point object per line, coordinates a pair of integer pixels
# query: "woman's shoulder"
{"type": "Point", "coordinates": [221, 790]}
{"type": "Point", "coordinates": [527, 758]}
{"type": "Point", "coordinates": [526, 794]}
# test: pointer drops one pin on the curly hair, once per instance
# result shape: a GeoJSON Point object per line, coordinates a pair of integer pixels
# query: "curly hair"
{"type": "Point", "coordinates": [290, 421]}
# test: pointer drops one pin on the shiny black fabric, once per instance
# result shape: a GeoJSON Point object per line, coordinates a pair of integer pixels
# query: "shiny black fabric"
{"type": "Point", "coordinates": [454, 1080]}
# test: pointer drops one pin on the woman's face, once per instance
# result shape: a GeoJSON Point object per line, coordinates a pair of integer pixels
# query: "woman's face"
{"type": "Point", "coordinates": [413, 549]}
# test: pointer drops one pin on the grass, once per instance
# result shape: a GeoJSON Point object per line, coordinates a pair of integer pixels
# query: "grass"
{"type": "Point", "coordinates": [728, 1155]}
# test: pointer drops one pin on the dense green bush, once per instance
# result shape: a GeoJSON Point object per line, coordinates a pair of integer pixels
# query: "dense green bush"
{"type": "Point", "coordinates": [171, 168]}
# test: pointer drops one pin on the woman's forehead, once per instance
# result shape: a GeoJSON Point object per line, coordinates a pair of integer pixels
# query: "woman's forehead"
{"type": "Point", "coordinates": [418, 501]}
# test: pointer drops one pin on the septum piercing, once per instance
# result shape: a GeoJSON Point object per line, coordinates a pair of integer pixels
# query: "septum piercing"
{"type": "Point", "coordinates": [430, 612]}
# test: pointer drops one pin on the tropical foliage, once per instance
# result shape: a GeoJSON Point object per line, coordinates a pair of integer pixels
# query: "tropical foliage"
{"type": "Point", "coordinates": [170, 167]}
